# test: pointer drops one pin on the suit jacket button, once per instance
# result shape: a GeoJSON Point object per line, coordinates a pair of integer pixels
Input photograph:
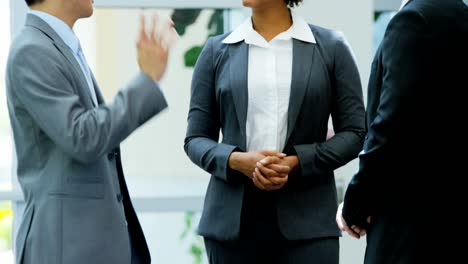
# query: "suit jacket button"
{"type": "Point", "coordinates": [119, 198]}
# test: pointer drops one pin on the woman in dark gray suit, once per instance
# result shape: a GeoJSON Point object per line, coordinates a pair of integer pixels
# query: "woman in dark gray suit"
{"type": "Point", "coordinates": [270, 87]}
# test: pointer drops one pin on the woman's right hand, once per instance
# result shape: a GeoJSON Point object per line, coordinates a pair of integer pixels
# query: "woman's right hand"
{"type": "Point", "coordinates": [247, 163]}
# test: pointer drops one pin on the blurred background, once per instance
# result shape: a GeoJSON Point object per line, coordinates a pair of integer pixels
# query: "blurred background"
{"type": "Point", "coordinates": [167, 188]}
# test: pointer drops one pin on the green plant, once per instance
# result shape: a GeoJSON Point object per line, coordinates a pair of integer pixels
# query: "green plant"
{"type": "Point", "coordinates": [197, 247]}
{"type": "Point", "coordinates": [6, 221]}
{"type": "Point", "coordinates": [185, 17]}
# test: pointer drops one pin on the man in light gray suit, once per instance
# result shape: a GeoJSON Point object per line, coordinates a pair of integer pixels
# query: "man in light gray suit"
{"type": "Point", "coordinates": [78, 208]}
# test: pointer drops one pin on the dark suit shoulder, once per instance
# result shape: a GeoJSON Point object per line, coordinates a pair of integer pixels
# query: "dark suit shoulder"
{"type": "Point", "coordinates": [218, 48]}
{"type": "Point", "coordinates": [331, 43]}
{"type": "Point", "coordinates": [217, 43]}
{"type": "Point", "coordinates": [438, 13]}
{"type": "Point", "coordinates": [218, 39]}
{"type": "Point", "coordinates": [327, 38]}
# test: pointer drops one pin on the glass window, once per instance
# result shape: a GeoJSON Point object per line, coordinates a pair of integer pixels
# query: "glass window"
{"type": "Point", "coordinates": [172, 237]}
{"type": "Point", "coordinates": [381, 20]}
{"type": "Point", "coordinates": [155, 163]}
{"type": "Point", "coordinates": [6, 142]}
{"type": "Point", "coordinates": [6, 148]}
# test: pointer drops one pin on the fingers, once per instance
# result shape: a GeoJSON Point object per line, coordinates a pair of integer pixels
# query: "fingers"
{"type": "Point", "coordinates": [281, 155]}
{"type": "Point", "coordinates": [352, 233]}
{"type": "Point", "coordinates": [168, 30]}
{"type": "Point", "coordinates": [269, 173]}
{"type": "Point", "coordinates": [279, 180]}
{"type": "Point", "coordinates": [143, 35]}
{"type": "Point", "coordinates": [271, 160]}
{"type": "Point", "coordinates": [262, 179]}
{"type": "Point", "coordinates": [348, 230]}
{"type": "Point", "coordinates": [154, 36]}
{"type": "Point", "coordinates": [265, 184]}
{"type": "Point", "coordinates": [339, 219]}
{"type": "Point", "coordinates": [257, 182]}
{"type": "Point", "coordinates": [273, 153]}
{"type": "Point", "coordinates": [358, 230]}
{"type": "Point", "coordinates": [155, 33]}
{"type": "Point", "coordinates": [282, 169]}
{"type": "Point", "coordinates": [342, 225]}
{"type": "Point", "coordinates": [273, 180]}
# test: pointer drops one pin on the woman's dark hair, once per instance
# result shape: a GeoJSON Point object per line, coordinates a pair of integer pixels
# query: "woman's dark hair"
{"type": "Point", "coordinates": [32, 2]}
{"type": "Point", "coordinates": [293, 3]}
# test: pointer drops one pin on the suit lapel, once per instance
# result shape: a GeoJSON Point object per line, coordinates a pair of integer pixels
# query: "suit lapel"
{"type": "Point", "coordinates": [303, 56]}
{"type": "Point", "coordinates": [238, 72]}
{"type": "Point", "coordinates": [99, 96]}
{"type": "Point", "coordinates": [65, 50]}
{"type": "Point", "coordinates": [38, 23]}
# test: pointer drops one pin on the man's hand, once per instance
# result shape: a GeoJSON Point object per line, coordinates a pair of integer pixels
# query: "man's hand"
{"type": "Point", "coordinates": [354, 231]}
{"type": "Point", "coordinates": [246, 162]}
{"type": "Point", "coordinates": [152, 52]}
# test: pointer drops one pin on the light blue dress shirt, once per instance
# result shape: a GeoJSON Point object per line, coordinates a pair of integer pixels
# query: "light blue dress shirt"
{"type": "Point", "coordinates": [72, 41]}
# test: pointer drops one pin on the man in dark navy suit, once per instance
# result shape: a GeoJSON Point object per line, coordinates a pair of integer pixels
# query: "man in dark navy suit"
{"type": "Point", "coordinates": [406, 193]}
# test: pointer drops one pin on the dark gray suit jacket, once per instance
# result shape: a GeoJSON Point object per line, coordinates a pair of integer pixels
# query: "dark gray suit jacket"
{"type": "Point", "coordinates": [325, 81]}
{"type": "Point", "coordinates": [78, 209]}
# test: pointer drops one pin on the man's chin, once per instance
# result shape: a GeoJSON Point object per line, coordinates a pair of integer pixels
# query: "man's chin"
{"type": "Point", "coordinates": [88, 14]}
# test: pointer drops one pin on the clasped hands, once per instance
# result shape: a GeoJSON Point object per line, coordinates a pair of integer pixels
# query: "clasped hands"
{"type": "Point", "coordinates": [269, 170]}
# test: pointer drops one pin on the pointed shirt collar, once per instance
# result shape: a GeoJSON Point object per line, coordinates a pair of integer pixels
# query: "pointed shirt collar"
{"type": "Point", "coordinates": [61, 28]}
{"type": "Point", "coordinates": [299, 30]}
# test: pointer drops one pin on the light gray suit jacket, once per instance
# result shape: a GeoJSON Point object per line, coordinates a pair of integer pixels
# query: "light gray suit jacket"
{"type": "Point", "coordinates": [78, 208]}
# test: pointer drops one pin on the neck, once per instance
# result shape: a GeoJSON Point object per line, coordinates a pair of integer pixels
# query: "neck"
{"type": "Point", "coordinates": [56, 11]}
{"type": "Point", "coordinates": [271, 20]}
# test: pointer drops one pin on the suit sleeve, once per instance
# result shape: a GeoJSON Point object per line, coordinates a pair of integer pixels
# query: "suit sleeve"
{"type": "Point", "coordinates": [348, 114]}
{"type": "Point", "coordinates": [46, 91]}
{"type": "Point", "coordinates": [403, 50]}
{"type": "Point", "coordinates": [201, 142]}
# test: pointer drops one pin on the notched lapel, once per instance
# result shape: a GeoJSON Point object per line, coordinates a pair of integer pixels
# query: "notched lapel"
{"type": "Point", "coordinates": [36, 22]}
{"type": "Point", "coordinates": [99, 96]}
{"type": "Point", "coordinates": [65, 50]}
{"type": "Point", "coordinates": [238, 72]}
{"type": "Point", "coordinates": [303, 56]}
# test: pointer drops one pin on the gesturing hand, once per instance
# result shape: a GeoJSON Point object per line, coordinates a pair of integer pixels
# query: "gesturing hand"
{"type": "Point", "coordinates": [152, 53]}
